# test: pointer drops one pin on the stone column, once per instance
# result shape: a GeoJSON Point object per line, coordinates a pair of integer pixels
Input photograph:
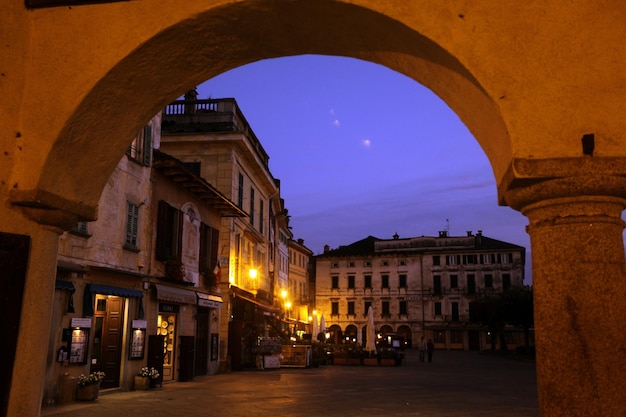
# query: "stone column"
{"type": "Point", "coordinates": [579, 284]}
{"type": "Point", "coordinates": [30, 359]}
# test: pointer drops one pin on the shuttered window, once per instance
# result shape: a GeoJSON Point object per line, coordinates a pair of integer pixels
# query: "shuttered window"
{"type": "Point", "coordinates": [132, 225]}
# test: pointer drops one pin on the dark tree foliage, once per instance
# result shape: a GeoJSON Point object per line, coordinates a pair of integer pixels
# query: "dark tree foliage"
{"type": "Point", "coordinates": [513, 306]}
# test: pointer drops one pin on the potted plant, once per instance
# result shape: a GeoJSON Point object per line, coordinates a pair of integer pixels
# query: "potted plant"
{"type": "Point", "coordinates": [89, 386]}
{"type": "Point", "coordinates": [143, 378]}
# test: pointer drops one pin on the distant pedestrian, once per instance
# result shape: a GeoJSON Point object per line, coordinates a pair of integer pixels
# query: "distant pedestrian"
{"type": "Point", "coordinates": [430, 348]}
{"type": "Point", "coordinates": [422, 349]}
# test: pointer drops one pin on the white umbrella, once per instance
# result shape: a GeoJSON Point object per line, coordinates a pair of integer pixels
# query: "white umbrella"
{"type": "Point", "coordinates": [359, 337]}
{"type": "Point", "coordinates": [370, 343]}
{"type": "Point", "coordinates": [316, 329]}
{"type": "Point", "coordinates": [322, 325]}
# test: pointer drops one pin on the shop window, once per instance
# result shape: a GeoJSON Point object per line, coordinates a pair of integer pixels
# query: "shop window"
{"type": "Point", "coordinates": [456, 336]}
{"type": "Point", "coordinates": [440, 336]}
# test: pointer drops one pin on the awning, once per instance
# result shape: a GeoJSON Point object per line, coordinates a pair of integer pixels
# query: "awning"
{"type": "Point", "coordinates": [175, 295]}
{"type": "Point", "coordinates": [111, 290]}
{"type": "Point", "coordinates": [91, 289]}
{"type": "Point", "coordinates": [208, 300]}
{"type": "Point", "coordinates": [260, 305]}
{"type": "Point", "coordinates": [64, 285]}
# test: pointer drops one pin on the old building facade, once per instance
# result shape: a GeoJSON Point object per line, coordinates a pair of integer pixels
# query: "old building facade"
{"type": "Point", "coordinates": [420, 286]}
{"type": "Point", "coordinates": [136, 287]}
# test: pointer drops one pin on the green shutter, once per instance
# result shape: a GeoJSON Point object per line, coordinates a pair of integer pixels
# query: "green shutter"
{"type": "Point", "coordinates": [147, 145]}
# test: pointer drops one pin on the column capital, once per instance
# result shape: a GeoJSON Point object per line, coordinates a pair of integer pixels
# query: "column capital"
{"type": "Point", "coordinates": [51, 209]}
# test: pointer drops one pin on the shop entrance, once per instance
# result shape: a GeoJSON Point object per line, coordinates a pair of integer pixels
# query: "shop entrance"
{"type": "Point", "coordinates": [106, 352]}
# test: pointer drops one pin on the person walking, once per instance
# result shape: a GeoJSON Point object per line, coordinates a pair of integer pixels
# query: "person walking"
{"type": "Point", "coordinates": [422, 349]}
{"type": "Point", "coordinates": [430, 348]}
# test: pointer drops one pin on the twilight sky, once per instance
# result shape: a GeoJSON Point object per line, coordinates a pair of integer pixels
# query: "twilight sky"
{"type": "Point", "coordinates": [362, 150]}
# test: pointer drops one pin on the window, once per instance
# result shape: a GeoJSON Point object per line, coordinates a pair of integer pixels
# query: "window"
{"type": "Point", "coordinates": [403, 308]}
{"type": "Point", "coordinates": [334, 265]}
{"type": "Point", "coordinates": [334, 308]}
{"type": "Point", "coordinates": [368, 281]}
{"type": "Point", "coordinates": [367, 306]}
{"type": "Point", "coordinates": [132, 223]}
{"type": "Point", "coordinates": [367, 263]}
{"type": "Point", "coordinates": [454, 281]}
{"type": "Point", "coordinates": [335, 282]}
{"type": "Point", "coordinates": [386, 308]}
{"type": "Point", "coordinates": [453, 259]}
{"type": "Point", "coordinates": [209, 243]}
{"type": "Point", "coordinates": [471, 284]}
{"type": "Point", "coordinates": [384, 263]}
{"type": "Point", "coordinates": [351, 308]}
{"type": "Point", "coordinates": [402, 262]}
{"type": "Point", "coordinates": [437, 284]}
{"type": "Point", "coordinates": [440, 336]}
{"type": "Point", "coordinates": [384, 281]}
{"type": "Point", "coordinates": [351, 282]}
{"type": "Point", "coordinates": [488, 281]}
{"type": "Point", "coordinates": [240, 192]}
{"type": "Point", "coordinates": [456, 336]}
{"type": "Point", "coordinates": [350, 264]}
{"type": "Point", "coordinates": [455, 311]}
{"type": "Point", "coordinates": [437, 308]}
{"type": "Point", "coordinates": [169, 226]}
{"type": "Point", "coordinates": [251, 206]}
{"type": "Point", "coordinates": [507, 258]}
{"type": "Point", "coordinates": [437, 260]}
{"type": "Point", "coordinates": [402, 280]}
{"type": "Point", "coordinates": [261, 220]}
{"type": "Point", "coordinates": [485, 258]}
{"type": "Point", "coordinates": [470, 259]}
{"type": "Point", "coordinates": [140, 149]}
{"type": "Point", "coordinates": [81, 229]}
{"type": "Point", "coordinates": [506, 281]}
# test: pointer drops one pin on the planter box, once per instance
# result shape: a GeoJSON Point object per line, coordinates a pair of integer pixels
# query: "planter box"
{"type": "Point", "coordinates": [340, 361]}
{"type": "Point", "coordinates": [387, 362]}
{"type": "Point", "coordinates": [87, 392]}
{"type": "Point", "coordinates": [141, 383]}
{"type": "Point", "coordinates": [370, 361]}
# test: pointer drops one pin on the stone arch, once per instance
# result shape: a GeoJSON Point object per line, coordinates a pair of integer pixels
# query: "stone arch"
{"type": "Point", "coordinates": [351, 333]}
{"type": "Point", "coordinates": [229, 37]}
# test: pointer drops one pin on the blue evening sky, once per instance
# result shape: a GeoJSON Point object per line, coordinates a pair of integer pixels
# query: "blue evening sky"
{"type": "Point", "coordinates": [362, 150]}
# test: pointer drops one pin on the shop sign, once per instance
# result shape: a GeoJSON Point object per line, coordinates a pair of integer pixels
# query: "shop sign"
{"type": "Point", "coordinates": [84, 322]}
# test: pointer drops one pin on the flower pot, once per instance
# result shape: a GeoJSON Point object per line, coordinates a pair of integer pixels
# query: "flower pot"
{"type": "Point", "coordinates": [141, 383]}
{"type": "Point", "coordinates": [387, 362]}
{"type": "Point", "coordinates": [87, 392]}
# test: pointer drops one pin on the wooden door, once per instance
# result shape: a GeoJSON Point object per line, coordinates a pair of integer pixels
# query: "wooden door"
{"type": "Point", "coordinates": [202, 342]}
{"type": "Point", "coordinates": [107, 345]}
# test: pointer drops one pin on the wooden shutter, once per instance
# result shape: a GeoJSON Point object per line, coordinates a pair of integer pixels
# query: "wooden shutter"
{"type": "Point", "coordinates": [147, 145]}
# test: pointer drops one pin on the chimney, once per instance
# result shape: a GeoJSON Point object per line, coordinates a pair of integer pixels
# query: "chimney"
{"type": "Point", "coordinates": [326, 248]}
{"type": "Point", "coordinates": [469, 233]}
{"type": "Point", "coordinates": [301, 241]}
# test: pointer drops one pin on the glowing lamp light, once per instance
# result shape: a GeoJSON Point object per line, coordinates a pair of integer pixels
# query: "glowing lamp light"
{"type": "Point", "coordinates": [253, 273]}
{"type": "Point", "coordinates": [283, 293]}
{"type": "Point", "coordinates": [288, 304]}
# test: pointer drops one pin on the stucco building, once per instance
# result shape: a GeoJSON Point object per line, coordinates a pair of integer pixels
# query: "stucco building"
{"type": "Point", "coordinates": [420, 286]}
{"type": "Point", "coordinates": [539, 85]}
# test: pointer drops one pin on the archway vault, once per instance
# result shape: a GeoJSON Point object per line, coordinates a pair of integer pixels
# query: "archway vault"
{"type": "Point", "coordinates": [94, 133]}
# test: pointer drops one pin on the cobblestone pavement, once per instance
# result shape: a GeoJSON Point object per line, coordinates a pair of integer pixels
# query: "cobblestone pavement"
{"type": "Point", "coordinates": [455, 384]}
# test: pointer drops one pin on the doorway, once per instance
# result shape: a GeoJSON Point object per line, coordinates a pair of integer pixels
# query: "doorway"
{"type": "Point", "coordinates": [106, 352]}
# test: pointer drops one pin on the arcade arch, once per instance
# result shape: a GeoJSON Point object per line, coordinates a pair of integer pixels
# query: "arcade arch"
{"type": "Point", "coordinates": [504, 81]}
